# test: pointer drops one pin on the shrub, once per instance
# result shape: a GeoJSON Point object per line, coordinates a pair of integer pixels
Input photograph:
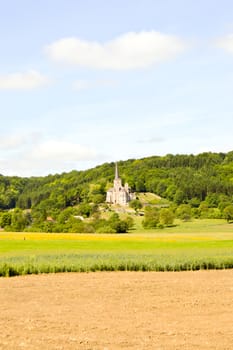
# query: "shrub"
{"type": "Point", "coordinates": [228, 213]}
{"type": "Point", "coordinates": [151, 217]}
{"type": "Point", "coordinates": [166, 217]}
{"type": "Point", "coordinates": [184, 212]}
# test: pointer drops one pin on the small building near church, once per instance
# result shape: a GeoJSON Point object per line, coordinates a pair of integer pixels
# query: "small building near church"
{"type": "Point", "coordinates": [119, 194]}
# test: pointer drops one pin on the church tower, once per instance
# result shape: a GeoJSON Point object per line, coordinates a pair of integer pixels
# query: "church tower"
{"type": "Point", "coordinates": [117, 180]}
{"type": "Point", "coordinates": [119, 194]}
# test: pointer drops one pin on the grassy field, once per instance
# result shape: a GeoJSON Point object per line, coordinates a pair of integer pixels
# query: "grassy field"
{"type": "Point", "coordinates": [200, 244]}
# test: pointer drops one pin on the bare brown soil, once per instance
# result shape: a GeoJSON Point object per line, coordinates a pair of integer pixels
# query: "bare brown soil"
{"type": "Point", "coordinates": [120, 310]}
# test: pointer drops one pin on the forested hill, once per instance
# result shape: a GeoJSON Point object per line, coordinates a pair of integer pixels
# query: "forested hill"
{"type": "Point", "coordinates": [179, 178]}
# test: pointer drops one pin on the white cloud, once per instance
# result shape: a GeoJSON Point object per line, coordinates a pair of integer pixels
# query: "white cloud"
{"type": "Point", "coordinates": [225, 43]}
{"type": "Point", "coordinates": [63, 151]}
{"type": "Point", "coordinates": [13, 142]}
{"type": "Point", "coordinates": [23, 81]}
{"type": "Point", "coordinates": [32, 153]}
{"type": "Point", "coordinates": [128, 51]}
{"type": "Point", "coordinates": [157, 139]}
{"type": "Point", "coordinates": [88, 84]}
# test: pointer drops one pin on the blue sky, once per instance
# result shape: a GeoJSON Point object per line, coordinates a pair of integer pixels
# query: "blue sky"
{"type": "Point", "coordinates": [87, 82]}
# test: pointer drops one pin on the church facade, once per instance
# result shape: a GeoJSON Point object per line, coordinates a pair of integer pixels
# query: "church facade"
{"type": "Point", "coordinates": [119, 194]}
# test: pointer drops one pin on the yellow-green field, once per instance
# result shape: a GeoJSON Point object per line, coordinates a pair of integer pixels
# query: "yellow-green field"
{"type": "Point", "coordinates": [200, 244]}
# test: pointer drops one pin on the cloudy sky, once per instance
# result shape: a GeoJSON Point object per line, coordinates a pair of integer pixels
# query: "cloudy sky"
{"type": "Point", "coordinates": [88, 82]}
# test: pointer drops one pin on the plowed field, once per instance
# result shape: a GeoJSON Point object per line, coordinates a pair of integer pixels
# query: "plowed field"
{"type": "Point", "coordinates": [119, 310]}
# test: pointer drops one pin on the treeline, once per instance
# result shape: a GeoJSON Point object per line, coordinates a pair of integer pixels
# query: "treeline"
{"type": "Point", "coordinates": [66, 220]}
{"type": "Point", "coordinates": [200, 181]}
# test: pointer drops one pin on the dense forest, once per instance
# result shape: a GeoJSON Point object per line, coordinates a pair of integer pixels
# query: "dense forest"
{"type": "Point", "coordinates": [202, 182]}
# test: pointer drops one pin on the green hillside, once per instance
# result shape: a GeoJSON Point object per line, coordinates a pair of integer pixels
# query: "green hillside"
{"type": "Point", "coordinates": [202, 182]}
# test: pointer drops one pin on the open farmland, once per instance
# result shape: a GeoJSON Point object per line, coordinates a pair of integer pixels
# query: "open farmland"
{"type": "Point", "coordinates": [121, 310]}
{"type": "Point", "coordinates": [172, 249]}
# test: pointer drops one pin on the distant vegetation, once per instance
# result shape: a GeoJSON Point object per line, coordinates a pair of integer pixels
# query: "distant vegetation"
{"type": "Point", "coordinates": [186, 187]}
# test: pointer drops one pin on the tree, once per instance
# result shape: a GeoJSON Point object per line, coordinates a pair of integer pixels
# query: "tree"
{"type": "Point", "coordinates": [65, 214]}
{"type": "Point", "coordinates": [5, 219]}
{"type": "Point", "coordinates": [179, 197]}
{"type": "Point", "coordinates": [170, 192]}
{"type": "Point", "coordinates": [135, 204]}
{"type": "Point", "coordinates": [19, 220]}
{"type": "Point", "coordinates": [130, 222]}
{"type": "Point", "coordinates": [97, 193]}
{"type": "Point", "coordinates": [228, 213]}
{"type": "Point", "coordinates": [118, 225]}
{"type": "Point", "coordinates": [212, 200]}
{"type": "Point", "coordinates": [140, 183]}
{"type": "Point", "coordinates": [203, 210]}
{"type": "Point", "coordinates": [184, 212]}
{"type": "Point", "coordinates": [151, 217]}
{"type": "Point", "coordinates": [38, 215]}
{"type": "Point", "coordinates": [121, 226]}
{"type": "Point", "coordinates": [84, 209]}
{"type": "Point", "coordinates": [162, 188]}
{"type": "Point", "coordinates": [166, 216]}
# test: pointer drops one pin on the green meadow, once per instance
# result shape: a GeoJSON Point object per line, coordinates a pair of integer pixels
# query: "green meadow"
{"type": "Point", "coordinates": [200, 244]}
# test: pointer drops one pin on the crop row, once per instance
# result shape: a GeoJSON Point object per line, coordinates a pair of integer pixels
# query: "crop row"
{"type": "Point", "coordinates": [91, 263]}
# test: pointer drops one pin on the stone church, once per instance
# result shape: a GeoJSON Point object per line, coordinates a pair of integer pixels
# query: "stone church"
{"type": "Point", "coordinates": [119, 194]}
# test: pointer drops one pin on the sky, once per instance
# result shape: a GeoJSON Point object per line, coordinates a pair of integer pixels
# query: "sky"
{"type": "Point", "coordinates": [88, 82]}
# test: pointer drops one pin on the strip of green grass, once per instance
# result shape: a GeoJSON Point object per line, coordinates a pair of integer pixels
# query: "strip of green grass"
{"type": "Point", "coordinates": [87, 263]}
{"type": "Point", "coordinates": [23, 244]}
{"type": "Point", "coordinates": [25, 253]}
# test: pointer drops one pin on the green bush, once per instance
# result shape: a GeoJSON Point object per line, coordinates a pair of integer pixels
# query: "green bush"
{"type": "Point", "coordinates": [151, 217]}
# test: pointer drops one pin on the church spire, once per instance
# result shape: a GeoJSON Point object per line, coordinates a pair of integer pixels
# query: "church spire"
{"type": "Point", "coordinates": [116, 172]}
